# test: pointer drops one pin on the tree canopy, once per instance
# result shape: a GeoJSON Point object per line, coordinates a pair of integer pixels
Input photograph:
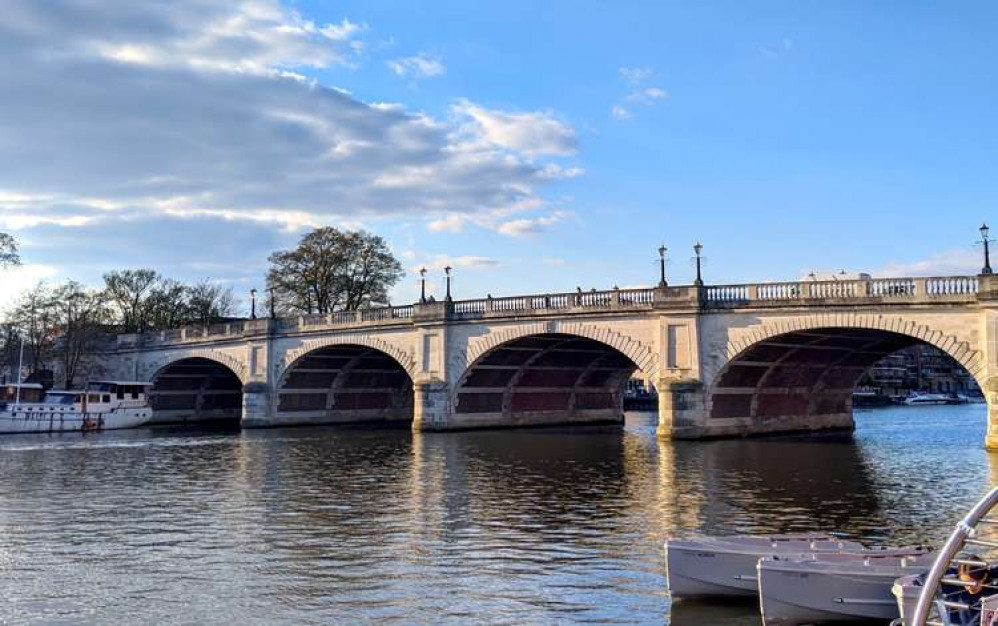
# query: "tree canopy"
{"type": "Point", "coordinates": [8, 251]}
{"type": "Point", "coordinates": [332, 270]}
{"type": "Point", "coordinates": [142, 299]}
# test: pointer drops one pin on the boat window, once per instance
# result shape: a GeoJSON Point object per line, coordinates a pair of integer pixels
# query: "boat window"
{"type": "Point", "coordinates": [93, 397]}
{"type": "Point", "coordinates": [106, 397]}
{"type": "Point", "coordinates": [121, 393]}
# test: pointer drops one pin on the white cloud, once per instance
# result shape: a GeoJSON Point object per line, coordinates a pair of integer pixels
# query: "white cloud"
{"type": "Point", "coordinates": [439, 262]}
{"type": "Point", "coordinates": [530, 226]}
{"type": "Point", "coordinates": [532, 133]}
{"type": "Point", "coordinates": [452, 223]}
{"type": "Point", "coordinates": [646, 96]}
{"type": "Point", "coordinates": [553, 171]}
{"type": "Point", "coordinates": [949, 263]}
{"type": "Point", "coordinates": [204, 111]}
{"type": "Point", "coordinates": [19, 279]}
{"type": "Point", "coordinates": [620, 113]}
{"type": "Point", "coordinates": [418, 66]}
{"type": "Point", "coordinates": [635, 75]}
{"type": "Point", "coordinates": [637, 95]}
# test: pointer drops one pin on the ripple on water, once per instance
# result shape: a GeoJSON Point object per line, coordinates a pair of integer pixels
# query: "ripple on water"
{"type": "Point", "coordinates": [314, 526]}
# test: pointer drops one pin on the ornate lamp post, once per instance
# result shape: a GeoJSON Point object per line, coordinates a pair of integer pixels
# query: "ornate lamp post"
{"type": "Point", "coordinates": [698, 250]}
{"type": "Point", "coordinates": [447, 271]}
{"type": "Point", "coordinates": [661, 265]}
{"type": "Point", "coordinates": [273, 304]}
{"type": "Point", "coordinates": [253, 303]}
{"type": "Point", "coordinates": [987, 249]}
{"type": "Point", "coordinates": [422, 285]}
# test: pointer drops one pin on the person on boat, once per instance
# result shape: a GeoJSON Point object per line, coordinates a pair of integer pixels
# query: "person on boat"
{"type": "Point", "coordinates": [975, 577]}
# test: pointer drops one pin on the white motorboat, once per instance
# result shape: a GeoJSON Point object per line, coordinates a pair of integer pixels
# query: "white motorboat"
{"type": "Point", "coordinates": [708, 567]}
{"type": "Point", "coordinates": [922, 399]}
{"type": "Point", "coordinates": [835, 587]}
{"type": "Point", "coordinates": [906, 590]}
{"type": "Point", "coordinates": [103, 405]}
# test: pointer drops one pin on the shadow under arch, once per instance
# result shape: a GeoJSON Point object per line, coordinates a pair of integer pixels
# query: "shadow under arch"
{"type": "Point", "coordinates": [195, 389]}
{"type": "Point", "coordinates": [543, 379]}
{"type": "Point", "coordinates": [804, 379]}
{"type": "Point", "coordinates": [345, 384]}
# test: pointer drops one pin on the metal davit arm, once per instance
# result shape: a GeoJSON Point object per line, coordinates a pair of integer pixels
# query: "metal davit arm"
{"type": "Point", "coordinates": [965, 529]}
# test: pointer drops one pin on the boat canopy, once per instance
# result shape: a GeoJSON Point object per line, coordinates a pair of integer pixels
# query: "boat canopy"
{"type": "Point", "coordinates": [120, 388]}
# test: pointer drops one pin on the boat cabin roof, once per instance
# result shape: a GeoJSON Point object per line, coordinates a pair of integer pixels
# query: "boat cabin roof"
{"type": "Point", "coordinates": [23, 386]}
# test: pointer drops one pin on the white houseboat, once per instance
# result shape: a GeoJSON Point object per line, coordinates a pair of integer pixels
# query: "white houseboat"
{"type": "Point", "coordinates": [102, 405]}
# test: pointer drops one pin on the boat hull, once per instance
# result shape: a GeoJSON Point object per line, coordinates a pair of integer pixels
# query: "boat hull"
{"type": "Point", "coordinates": [15, 422]}
{"type": "Point", "coordinates": [713, 568]}
{"type": "Point", "coordinates": [798, 593]}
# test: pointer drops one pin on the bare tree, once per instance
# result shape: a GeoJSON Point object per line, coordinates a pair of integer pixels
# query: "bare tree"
{"type": "Point", "coordinates": [208, 302]}
{"type": "Point", "coordinates": [83, 318]}
{"type": "Point", "coordinates": [166, 306]}
{"type": "Point", "coordinates": [128, 291]}
{"type": "Point", "coordinates": [35, 316]}
{"type": "Point", "coordinates": [368, 272]}
{"type": "Point", "coordinates": [332, 270]}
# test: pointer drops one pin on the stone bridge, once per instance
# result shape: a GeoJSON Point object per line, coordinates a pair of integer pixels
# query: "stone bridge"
{"type": "Point", "coordinates": [729, 360]}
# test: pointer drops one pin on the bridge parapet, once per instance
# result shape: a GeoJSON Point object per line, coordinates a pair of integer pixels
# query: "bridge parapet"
{"type": "Point", "coordinates": [933, 290]}
{"type": "Point", "coordinates": [574, 302]}
{"type": "Point", "coordinates": [571, 303]}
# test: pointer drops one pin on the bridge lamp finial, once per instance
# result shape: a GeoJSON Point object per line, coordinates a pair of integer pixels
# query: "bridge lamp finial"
{"type": "Point", "coordinates": [422, 285]}
{"type": "Point", "coordinates": [447, 272]}
{"type": "Point", "coordinates": [987, 249]}
{"type": "Point", "coordinates": [253, 303]}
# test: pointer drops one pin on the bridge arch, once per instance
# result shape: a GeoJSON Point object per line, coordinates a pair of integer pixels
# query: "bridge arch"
{"type": "Point", "coordinates": [523, 378]}
{"type": "Point", "coordinates": [198, 386]}
{"type": "Point", "coordinates": [346, 379]}
{"type": "Point", "coordinates": [799, 374]}
{"type": "Point", "coordinates": [959, 349]}
{"type": "Point", "coordinates": [640, 354]}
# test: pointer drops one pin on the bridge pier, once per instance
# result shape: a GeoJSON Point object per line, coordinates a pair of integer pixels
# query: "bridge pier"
{"type": "Point", "coordinates": [991, 396]}
{"type": "Point", "coordinates": [431, 409]}
{"type": "Point", "coordinates": [681, 409]}
{"type": "Point", "coordinates": [258, 404]}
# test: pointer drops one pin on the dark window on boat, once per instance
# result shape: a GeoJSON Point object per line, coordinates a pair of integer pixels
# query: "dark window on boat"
{"type": "Point", "coordinates": [121, 393]}
{"type": "Point", "coordinates": [106, 397]}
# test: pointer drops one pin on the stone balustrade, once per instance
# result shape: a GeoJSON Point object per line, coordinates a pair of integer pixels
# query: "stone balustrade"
{"type": "Point", "coordinates": [913, 290]}
{"type": "Point", "coordinates": [953, 288]}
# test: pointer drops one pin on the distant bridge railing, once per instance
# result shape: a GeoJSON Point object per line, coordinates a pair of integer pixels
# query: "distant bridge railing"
{"type": "Point", "coordinates": [949, 288]}
{"type": "Point", "coordinates": [615, 298]}
{"type": "Point", "coordinates": [810, 292]}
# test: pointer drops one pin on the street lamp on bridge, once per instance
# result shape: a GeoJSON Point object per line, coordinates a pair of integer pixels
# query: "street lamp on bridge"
{"type": "Point", "coordinates": [447, 271]}
{"type": "Point", "coordinates": [273, 302]}
{"type": "Point", "coordinates": [422, 285]}
{"type": "Point", "coordinates": [987, 250]}
{"type": "Point", "coordinates": [661, 264]}
{"type": "Point", "coordinates": [698, 250]}
{"type": "Point", "coordinates": [253, 303]}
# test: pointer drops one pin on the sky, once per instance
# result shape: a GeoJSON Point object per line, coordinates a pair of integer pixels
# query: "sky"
{"type": "Point", "coordinates": [533, 146]}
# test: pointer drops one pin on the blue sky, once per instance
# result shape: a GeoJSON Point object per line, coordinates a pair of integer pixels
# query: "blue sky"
{"type": "Point", "coordinates": [534, 146]}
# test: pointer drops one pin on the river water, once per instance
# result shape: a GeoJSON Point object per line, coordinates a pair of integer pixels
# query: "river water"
{"type": "Point", "coordinates": [321, 526]}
